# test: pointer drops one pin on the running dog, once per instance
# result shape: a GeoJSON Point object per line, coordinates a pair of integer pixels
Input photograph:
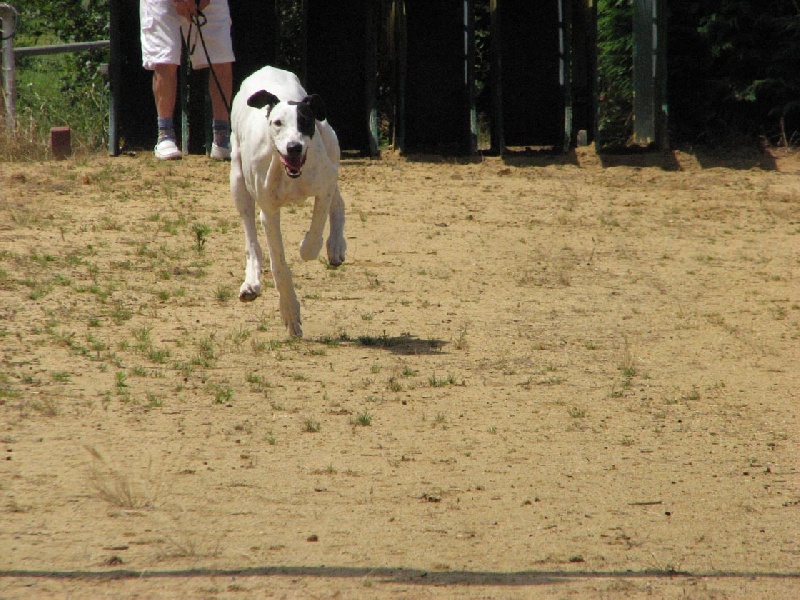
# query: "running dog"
{"type": "Point", "coordinates": [282, 152]}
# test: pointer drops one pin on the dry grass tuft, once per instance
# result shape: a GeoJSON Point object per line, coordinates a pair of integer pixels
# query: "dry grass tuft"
{"type": "Point", "coordinates": [117, 488]}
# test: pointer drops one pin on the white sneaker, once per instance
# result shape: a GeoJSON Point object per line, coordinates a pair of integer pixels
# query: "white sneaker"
{"type": "Point", "coordinates": [167, 149]}
{"type": "Point", "coordinates": [220, 152]}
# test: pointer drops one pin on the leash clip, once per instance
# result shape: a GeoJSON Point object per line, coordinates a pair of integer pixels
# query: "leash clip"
{"type": "Point", "coordinates": [200, 17]}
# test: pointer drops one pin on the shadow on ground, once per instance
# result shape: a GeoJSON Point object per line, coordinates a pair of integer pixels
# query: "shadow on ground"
{"type": "Point", "coordinates": [404, 344]}
{"type": "Point", "coordinates": [399, 575]}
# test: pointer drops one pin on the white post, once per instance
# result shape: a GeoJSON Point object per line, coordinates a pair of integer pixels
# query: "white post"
{"type": "Point", "coordinates": [8, 19]}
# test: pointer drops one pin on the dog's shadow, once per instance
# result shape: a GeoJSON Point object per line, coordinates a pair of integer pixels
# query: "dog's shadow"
{"type": "Point", "coordinates": [403, 344]}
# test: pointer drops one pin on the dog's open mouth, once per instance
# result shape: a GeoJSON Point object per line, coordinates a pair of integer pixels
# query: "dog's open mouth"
{"type": "Point", "coordinates": [293, 165]}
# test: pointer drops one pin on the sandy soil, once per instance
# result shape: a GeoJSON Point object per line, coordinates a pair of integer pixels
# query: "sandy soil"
{"type": "Point", "coordinates": [534, 377]}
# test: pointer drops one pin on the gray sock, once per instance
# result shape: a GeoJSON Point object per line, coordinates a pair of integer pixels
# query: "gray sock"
{"type": "Point", "coordinates": [222, 133]}
{"type": "Point", "coordinates": [166, 129]}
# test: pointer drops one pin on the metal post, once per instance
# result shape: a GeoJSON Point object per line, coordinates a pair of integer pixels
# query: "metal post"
{"type": "Point", "coordinates": [498, 135]}
{"type": "Point", "coordinates": [8, 16]}
{"type": "Point", "coordinates": [469, 74]}
{"type": "Point", "coordinates": [649, 73]}
{"type": "Point", "coordinates": [114, 77]}
{"type": "Point", "coordinates": [371, 79]}
{"type": "Point", "coordinates": [565, 69]}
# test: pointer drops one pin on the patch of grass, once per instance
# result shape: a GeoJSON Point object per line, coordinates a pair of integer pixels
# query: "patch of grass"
{"type": "Point", "coordinates": [576, 412]}
{"type": "Point", "coordinates": [311, 426]}
{"type": "Point", "coordinates": [206, 352]}
{"type": "Point", "coordinates": [120, 313]}
{"type": "Point", "coordinates": [363, 419]}
{"type": "Point", "coordinates": [258, 383]}
{"type": "Point", "coordinates": [201, 233]}
{"type": "Point", "coordinates": [223, 293]}
{"type": "Point", "coordinates": [692, 395]}
{"type": "Point", "coordinates": [121, 380]}
{"type": "Point", "coordinates": [409, 372]}
{"type": "Point", "coordinates": [223, 395]}
{"type": "Point", "coordinates": [158, 355]}
{"type": "Point", "coordinates": [47, 407]}
{"type": "Point", "coordinates": [448, 379]}
{"type": "Point", "coordinates": [116, 488]}
{"type": "Point", "coordinates": [394, 385]}
{"type": "Point", "coordinates": [6, 389]}
{"type": "Point", "coordinates": [461, 342]}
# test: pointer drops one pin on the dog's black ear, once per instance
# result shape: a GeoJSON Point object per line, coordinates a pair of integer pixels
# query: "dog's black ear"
{"type": "Point", "coordinates": [317, 106]}
{"type": "Point", "coordinates": [261, 99]}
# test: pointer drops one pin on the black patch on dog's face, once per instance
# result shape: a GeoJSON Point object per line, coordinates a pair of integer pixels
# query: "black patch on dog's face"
{"type": "Point", "coordinates": [306, 123]}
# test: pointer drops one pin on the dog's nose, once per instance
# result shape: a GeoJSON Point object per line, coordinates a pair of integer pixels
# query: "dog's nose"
{"type": "Point", "coordinates": [294, 149]}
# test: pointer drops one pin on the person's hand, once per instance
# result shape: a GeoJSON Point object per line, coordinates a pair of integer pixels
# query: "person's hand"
{"type": "Point", "coordinates": [187, 8]}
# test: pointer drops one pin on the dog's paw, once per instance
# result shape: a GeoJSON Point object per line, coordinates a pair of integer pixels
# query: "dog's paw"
{"type": "Point", "coordinates": [294, 330]}
{"type": "Point", "coordinates": [249, 292]}
{"type": "Point", "coordinates": [336, 251]}
{"type": "Point", "coordinates": [310, 247]}
{"type": "Point", "coordinates": [290, 312]}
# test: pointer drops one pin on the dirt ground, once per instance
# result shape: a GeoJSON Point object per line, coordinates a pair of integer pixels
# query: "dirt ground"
{"type": "Point", "coordinates": [534, 377]}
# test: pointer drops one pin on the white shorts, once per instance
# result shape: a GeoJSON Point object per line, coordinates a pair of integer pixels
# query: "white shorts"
{"type": "Point", "coordinates": [162, 30]}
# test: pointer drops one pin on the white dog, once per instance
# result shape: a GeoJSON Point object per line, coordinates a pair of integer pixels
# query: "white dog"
{"type": "Point", "coordinates": [282, 152]}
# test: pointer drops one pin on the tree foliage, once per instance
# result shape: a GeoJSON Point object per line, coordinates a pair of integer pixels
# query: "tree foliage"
{"type": "Point", "coordinates": [734, 69]}
{"type": "Point", "coordinates": [65, 88]}
{"type": "Point", "coordinates": [614, 69]}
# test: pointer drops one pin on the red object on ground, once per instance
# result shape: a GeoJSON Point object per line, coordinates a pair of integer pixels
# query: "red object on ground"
{"type": "Point", "coordinates": [60, 142]}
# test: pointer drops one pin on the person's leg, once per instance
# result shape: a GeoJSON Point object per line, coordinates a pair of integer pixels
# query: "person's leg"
{"type": "Point", "coordinates": [161, 53]}
{"type": "Point", "coordinates": [224, 72]}
{"type": "Point", "coordinates": [165, 90]}
{"type": "Point", "coordinates": [220, 149]}
{"type": "Point", "coordinates": [216, 47]}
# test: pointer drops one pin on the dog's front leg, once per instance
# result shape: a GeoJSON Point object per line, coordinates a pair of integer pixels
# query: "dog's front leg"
{"type": "Point", "coordinates": [337, 246]}
{"type": "Point", "coordinates": [312, 242]}
{"type": "Point", "coordinates": [251, 288]}
{"type": "Point", "coordinates": [287, 299]}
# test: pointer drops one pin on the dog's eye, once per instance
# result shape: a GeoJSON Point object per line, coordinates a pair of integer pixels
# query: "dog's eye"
{"type": "Point", "coordinates": [277, 123]}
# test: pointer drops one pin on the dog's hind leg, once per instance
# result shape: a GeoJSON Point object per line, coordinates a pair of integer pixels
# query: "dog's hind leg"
{"type": "Point", "coordinates": [251, 288]}
{"type": "Point", "coordinates": [287, 299]}
{"type": "Point", "coordinates": [312, 241]}
{"type": "Point", "coordinates": [337, 246]}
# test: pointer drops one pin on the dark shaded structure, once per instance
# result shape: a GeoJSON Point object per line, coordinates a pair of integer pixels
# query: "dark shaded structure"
{"type": "Point", "coordinates": [416, 60]}
{"type": "Point", "coordinates": [543, 71]}
{"type": "Point", "coordinates": [436, 65]}
{"type": "Point", "coordinates": [341, 66]}
{"type": "Point", "coordinates": [529, 76]}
